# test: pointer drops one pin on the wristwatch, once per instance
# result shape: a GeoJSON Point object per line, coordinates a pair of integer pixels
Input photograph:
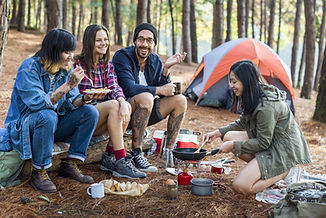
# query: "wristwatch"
{"type": "Point", "coordinates": [86, 101]}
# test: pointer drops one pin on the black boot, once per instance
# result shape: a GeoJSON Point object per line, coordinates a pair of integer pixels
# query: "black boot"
{"type": "Point", "coordinates": [69, 169]}
{"type": "Point", "coordinates": [42, 182]}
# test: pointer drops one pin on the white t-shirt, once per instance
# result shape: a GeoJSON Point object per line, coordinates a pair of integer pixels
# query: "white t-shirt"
{"type": "Point", "coordinates": [142, 79]}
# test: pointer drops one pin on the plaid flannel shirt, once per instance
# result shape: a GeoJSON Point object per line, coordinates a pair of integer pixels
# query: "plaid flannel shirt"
{"type": "Point", "coordinates": [104, 76]}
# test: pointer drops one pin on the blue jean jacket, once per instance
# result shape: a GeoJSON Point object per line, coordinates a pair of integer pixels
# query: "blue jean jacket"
{"type": "Point", "coordinates": [32, 93]}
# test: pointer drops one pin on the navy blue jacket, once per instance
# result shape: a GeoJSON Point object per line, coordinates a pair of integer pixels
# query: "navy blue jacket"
{"type": "Point", "coordinates": [127, 69]}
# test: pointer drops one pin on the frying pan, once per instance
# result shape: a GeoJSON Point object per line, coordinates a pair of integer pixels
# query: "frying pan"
{"type": "Point", "coordinates": [189, 153]}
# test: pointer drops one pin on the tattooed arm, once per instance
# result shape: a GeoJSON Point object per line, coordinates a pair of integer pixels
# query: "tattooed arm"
{"type": "Point", "coordinates": [74, 79]}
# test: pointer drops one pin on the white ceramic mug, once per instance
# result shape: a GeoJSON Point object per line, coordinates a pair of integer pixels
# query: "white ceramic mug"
{"type": "Point", "coordinates": [96, 190]}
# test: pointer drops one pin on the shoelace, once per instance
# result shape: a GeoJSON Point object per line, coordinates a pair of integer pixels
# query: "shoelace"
{"type": "Point", "coordinates": [130, 165]}
{"type": "Point", "coordinates": [142, 160]}
{"type": "Point", "coordinates": [76, 167]}
{"type": "Point", "coordinates": [43, 174]}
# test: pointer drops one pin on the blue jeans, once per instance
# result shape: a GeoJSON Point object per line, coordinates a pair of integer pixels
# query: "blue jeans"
{"type": "Point", "coordinates": [47, 127]}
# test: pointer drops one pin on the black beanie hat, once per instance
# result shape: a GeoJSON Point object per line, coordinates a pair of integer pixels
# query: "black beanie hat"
{"type": "Point", "coordinates": [145, 26]}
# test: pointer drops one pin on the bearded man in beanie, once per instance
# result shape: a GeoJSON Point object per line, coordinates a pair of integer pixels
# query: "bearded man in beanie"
{"type": "Point", "coordinates": [146, 83]}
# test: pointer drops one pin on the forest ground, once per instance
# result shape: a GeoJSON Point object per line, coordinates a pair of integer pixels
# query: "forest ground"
{"type": "Point", "coordinates": [72, 199]}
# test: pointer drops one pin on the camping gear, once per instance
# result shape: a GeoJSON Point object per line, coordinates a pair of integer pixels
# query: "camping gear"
{"type": "Point", "coordinates": [171, 191]}
{"type": "Point", "coordinates": [201, 186]}
{"type": "Point", "coordinates": [304, 199]}
{"type": "Point", "coordinates": [200, 147]}
{"type": "Point", "coordinates": [189, 153]}
{"type": "Point", "coordinates": [96, 190]}
{"type": "Point", "coordinates": [184, 178]}
{"type": "Point", "coordinates": [10, 167]}
{"type": "Point", "coordinates": [210, 86]}
{"type": "Point", "coordinates": [217, 168]}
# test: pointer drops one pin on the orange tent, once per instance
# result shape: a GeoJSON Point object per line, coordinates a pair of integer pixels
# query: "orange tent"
{"type": "Point", "coordinates": [209, 84]}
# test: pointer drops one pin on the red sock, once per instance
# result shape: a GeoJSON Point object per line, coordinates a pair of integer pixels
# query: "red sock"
{"type": "Point", "coordinates": [109, 149]}
{"type": "Point", "coordinates": [120, 154]}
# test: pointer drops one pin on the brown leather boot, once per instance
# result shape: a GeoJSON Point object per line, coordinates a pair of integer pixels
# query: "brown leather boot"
{"type": "Point", "coordinates": [42, 182]}
{"type": "Point", "coordinates": [69, 169]}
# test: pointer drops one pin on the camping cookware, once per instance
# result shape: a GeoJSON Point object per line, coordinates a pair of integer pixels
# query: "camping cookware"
{"type": "Point", "coordinates": [184, 178]}
{"type": "Point", "coordinates": [203, 186]}
{"type": "Point", "coordinates": [189, 153]}
{"type": "Point", "coordinates": [200, 147]}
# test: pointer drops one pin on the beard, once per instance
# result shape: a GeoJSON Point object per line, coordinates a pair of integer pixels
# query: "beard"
{"type": "Point", "coordinates": [141, 54]}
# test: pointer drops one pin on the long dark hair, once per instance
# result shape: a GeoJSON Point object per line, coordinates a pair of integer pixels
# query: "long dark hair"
{"type": "Point", "coordinates": [54, 43]}
{"type": "Point", "coordinates": [252, 94]}
{"type": "Point", "coordinates": [88, 54]}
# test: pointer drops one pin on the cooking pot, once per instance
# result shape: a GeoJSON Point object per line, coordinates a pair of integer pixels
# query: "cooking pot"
{"type": "Point", "coordinates": [189, 153]}
{"type": "Point", "coordinates": [203, 186]}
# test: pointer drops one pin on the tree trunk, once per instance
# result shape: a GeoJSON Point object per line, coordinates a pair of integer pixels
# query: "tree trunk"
{"type": "Point", "coordinates": [29, 7]}
{"type": "Point", "coordinates": [74, 16]}
{"type": "Point", "coordinates": [4, 24]}
{"type": "Point", "coordinates": [241, 18]}
{"type": "Point", "coordinates": [320, 110]}
{"type": "Point", "coordinates": [64, 14]}
{"type": "Point", "coordinates": [38, 15]}
{"type": "Point", "coordinates": [149, 20]}
{"type": "Point", "coordinates": [14, 12]}
{"type": "Point", "coordinates": [118, 22]}
{"type": "Point", "coordinates": [159, 25]}
{"type": "Point", "coordinates": [172, 27]}
{"type": "Point", "coordinates": [105, 13]}
{"type": "Point", "coordinates": [253, 18]}
{"type": "Point", "coordinates": [261, 20]}
{"type": "Point", "coordinates": [186, 29]}
{"type": "Point", "coordinates": [271, 24]}
{"type": "Point", "coordinates": [302, 62]}
{"type": "Point", "coordinates": [295, 41]}
{"type": "Point", "coordinates": [247, 8]}
{"type": "Point", "coordinates": [279, 26]}
{"type": "Point", "coordinates": [21, 16]}
{"type": "Point", "coordinates": [228, 20]}
{"type": "Point", "coordinates": [141, 11]}
{"type": "Point", "coordinates": [81, 20]}
{"type": "Point", "coordinates": [265, 21]}
{"type": "Point", "coordinates": [52, 9]}
{"type": "Point", "coordinates": [193, 33]}
{"type": "Point", "coordinates": [320, 47]}
{"type": "Point", "coordinates": [218, 24]}
{"type": "Point", "coordinates": [310, 49]}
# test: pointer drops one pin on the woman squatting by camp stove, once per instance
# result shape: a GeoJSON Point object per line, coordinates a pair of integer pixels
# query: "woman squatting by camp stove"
{"type": "Point", "coordinates": [266, 135]}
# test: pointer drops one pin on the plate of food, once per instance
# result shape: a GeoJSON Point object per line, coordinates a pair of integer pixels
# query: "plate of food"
{"type": "Point", "coordinates": [97, 91]}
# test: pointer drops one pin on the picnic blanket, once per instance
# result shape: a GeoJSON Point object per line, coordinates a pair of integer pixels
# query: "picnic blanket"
{"type": "Point", "coordinates": [274, 194]}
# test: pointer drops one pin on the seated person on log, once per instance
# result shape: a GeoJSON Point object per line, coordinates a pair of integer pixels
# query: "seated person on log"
{"type": "Point", "coordinates": [46, 107]}
{"type": "Point", "coordinates": [146, 83]}
{"type": "Point", "coordinates": [266, 135]}
{"type": "Point", "coordinates": [114, 110]}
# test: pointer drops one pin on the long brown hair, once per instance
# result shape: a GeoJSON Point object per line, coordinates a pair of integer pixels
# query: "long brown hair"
{"type": "Point", "coordinates": [88, 54]}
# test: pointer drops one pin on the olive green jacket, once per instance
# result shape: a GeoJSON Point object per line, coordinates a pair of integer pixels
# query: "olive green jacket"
{"type": "Point", "coordinates": [274, 136]}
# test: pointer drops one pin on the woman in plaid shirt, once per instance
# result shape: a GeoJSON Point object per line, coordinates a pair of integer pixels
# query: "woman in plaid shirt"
{"type": "Point", "coordinates": [114, 110]}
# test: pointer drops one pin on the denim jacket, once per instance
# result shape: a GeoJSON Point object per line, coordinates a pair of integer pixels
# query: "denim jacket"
{"type": "Point", "coordinates": [127, 69]}
{"type": "Point", "coordinates": [31, 92]}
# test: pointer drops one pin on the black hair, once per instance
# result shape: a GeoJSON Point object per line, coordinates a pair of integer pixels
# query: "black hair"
{"type": "Point", "coordinates": [88, 55]}
{"type": "Point", "coordinates": [252, 94]}
{"type": "Point", "coordinates": [54, 43]}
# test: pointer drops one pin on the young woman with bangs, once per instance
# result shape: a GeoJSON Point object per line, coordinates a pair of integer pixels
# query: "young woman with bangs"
{"type": "Point", "coordinates": [266, 135]}
{"type": "Point", "coordinates": [46, 107]}
{"type": "Point", "coordinates": [114, 110]}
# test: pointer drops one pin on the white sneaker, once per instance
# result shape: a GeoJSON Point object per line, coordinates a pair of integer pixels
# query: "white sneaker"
{"type": "Point", "coordinates": [294, 175]}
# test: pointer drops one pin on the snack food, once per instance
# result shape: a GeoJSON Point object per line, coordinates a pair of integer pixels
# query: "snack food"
{"type": "Point", "coordinates": [97, 91]}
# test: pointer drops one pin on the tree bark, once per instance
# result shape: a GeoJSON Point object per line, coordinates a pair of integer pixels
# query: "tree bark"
{"type": "Point", "coordinates": [253, 18]}
{"type": "Point", "coordinates": [105, 13]}
{"type": "Point", "coordinates": [38, 15]}
{"type": "Point", "coordinates": [14, 12]}
{"type": "Point", "coordinates": [172, 27]}
{"type": "Point", "coordinates": [241, 18]}
{"type": "Point", "coordinates": [302, 62]}
{"type": "Point", "coordinates": [118, 21]}
{"type": "Point", "coordinates": [310, 49]}
{"type": "Point", "coordinates": [4, 24]}
{"type": "Point", "coordinates": [271, 24]}
{"type": "Point", "coordinates": [81, 20]}
{"type": "Point", "coordinates": [247, 8]}
{"type": "Point", "coordinates": [64, 14]}
{"type": "Point", "coordinates": [279, 26]}
{"type": "Point", "coordinates": [21, 16]}
{"type": "Point", "coordinates": [218, 24]}
{"type": "Point", "coordinates": [193, 33]}
{"type": "Point", "coordinates": [149, 20]}
{"type": "Point", "coordinates": [320, 110]}
{"type": "Point", "coordinates": [186, 30]}
{"type": "Point", "coordinates": [320, 47]}
{"type": "Point", "coordinates": [29, 7]}
{"type": "Point", "coordinates": [295, 41]}
{"type": "Point", "coordinates": [261, 20]}
{"type": "Point", "coordinates": [52, 14]}
{"type": "Point", "coordinates": [141, 11]}
{"type": "Point", "coordinates": [74, 16]}
{"type": "Point", "coordinates": [228, 20]}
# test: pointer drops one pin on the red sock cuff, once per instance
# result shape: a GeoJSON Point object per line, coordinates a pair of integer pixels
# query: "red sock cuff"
{"type": "Point", "coordinates": [109, 149]}
{"type": "Point", "coordinates": [120, 154]}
